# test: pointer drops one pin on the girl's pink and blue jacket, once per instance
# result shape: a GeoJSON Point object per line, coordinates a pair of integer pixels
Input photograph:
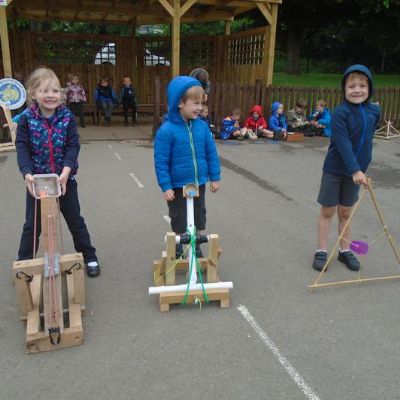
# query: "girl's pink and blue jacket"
{"type": "Point", "coordinates": [40, 140]}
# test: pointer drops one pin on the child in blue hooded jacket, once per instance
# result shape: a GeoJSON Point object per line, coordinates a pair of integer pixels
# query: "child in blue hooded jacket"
{"type": "Point", "coordinates": [277, 121]}
{"type": "Point", "coordinates": [185, 152]}
{"type": "Point", "coordinates": [353, 125]}
{"type": "Point", "coordinates": [320, 119]}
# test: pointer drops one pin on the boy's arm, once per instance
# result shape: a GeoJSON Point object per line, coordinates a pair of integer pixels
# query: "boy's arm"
{"type": "Point", "coordinates": [326, 120]}
{"type": "Point", "coordinates": [72, 145]}
{"type": "Point", "coordinates": [162, 155]}
{"type": "Point", "coordinates": [22, 144]}
{"type": "Point", "coordinates": [341, 140]}
{"type": "Point", "coordinates": [83, 94]}
{"type": "Point", "coordinates": [228, 126]}
{"type": "Point", "coordinates": [273, 124]}
{"type": "Point", "coordinates": [214, 168]}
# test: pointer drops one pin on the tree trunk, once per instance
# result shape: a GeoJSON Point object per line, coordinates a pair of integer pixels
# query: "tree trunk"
{"type": "Point", "coordinates": [293, 51]}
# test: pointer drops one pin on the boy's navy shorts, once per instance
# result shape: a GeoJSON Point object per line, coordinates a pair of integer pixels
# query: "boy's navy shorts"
{"type": "Point", "coordinates": [336, 190]}
{"type": "Point", "coordinates": [177, 211]}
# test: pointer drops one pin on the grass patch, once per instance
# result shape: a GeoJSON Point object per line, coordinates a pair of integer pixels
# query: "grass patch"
{"type": "Point", "coordinates": [328, 80]}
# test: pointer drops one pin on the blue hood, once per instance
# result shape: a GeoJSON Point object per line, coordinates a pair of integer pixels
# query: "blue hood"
{"type": "Point", "coordinates": [275, 106]}
{"type": "Point", "coordinates": [363, 70]}
{"type": "Point", "coordinates": [176, 89]}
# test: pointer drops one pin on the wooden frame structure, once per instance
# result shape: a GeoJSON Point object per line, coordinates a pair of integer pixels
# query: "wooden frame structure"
{"type": "Point", "coordinates": [12, 127]}
{"type": "Point", "coordinates": [141, 12]}
{"type": "Point", "coordinates": [164, 271]}
{"type": "Point", "coordinates": [40, 299]}
{"type": "Point", "coordinates": [359, 279]}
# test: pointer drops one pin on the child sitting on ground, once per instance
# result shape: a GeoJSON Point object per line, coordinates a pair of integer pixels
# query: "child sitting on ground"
{"type": "Point", "coordinates": [256, 124]}
{"type": "Point", "coordinates": [105, 98]}
{"type": "Point", "coordinates": [231, 127]}
{"type": "Point", "coordinates": [320, 119]}
{"type": "Point", "coordinates": [277, 122]}
{"type": "Point", "coordinates": [185, 152]}
{"type": "Point", "coordinates": [297, 121]}
{"type": "Point", "coordinates": [206, 118]}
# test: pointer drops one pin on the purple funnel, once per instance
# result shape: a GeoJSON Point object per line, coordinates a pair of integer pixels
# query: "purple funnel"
{"type": "Point", "coordinates": [360, 248]}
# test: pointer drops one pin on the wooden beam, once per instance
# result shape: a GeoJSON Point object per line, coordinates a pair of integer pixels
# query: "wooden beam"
{"type": "Point", "coordinates": [228, 28]}
{"type": "Point", "coordinates": [269, 47]}
{"type": "Point", "coordinates": [176, 39]}
{"type": "Point", "coordinates": [167, 7]}
{"type": "Point", "coordinates": [264, 11]}
{"type": "Point", "coordinates": [5, 43]}
{"type": "Point", "coordinates": [186, 7]}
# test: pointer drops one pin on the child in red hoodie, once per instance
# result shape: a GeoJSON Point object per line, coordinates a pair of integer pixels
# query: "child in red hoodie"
{"type": "Point", "coordinates": [256, 124]}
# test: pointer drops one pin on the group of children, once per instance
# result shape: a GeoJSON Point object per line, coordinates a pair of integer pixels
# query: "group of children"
{"type": "Point", "coordinates": [279, 125]}
{"type": "Point", "coordinates": [185, 152]}
{"type": "Point", "coordinates": [105, 98]}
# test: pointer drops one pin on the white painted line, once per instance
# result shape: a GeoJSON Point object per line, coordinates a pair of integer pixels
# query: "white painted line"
{"type": "Point", "coordinates": [118, 156]}
{"type": "Point", "coordinates": [136, 180]}
{"type": "Point", "coordinates": [275, 351]}
{"type": "Point", "coordinates": [168, 219]}
{"type": "Point", "coordinates": [110, 147]}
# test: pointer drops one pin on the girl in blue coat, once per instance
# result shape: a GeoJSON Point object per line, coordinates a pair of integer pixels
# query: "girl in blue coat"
{"type": "Point", "coordinates": [185, 152]}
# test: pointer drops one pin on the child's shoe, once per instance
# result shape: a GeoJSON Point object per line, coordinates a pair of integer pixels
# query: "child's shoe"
{"type": "Point", "coordinates": [93, 269]}
{"type": "Point", "coordinates": [349, 259]}
{"type": "Point", "coordinates": [320, 259]}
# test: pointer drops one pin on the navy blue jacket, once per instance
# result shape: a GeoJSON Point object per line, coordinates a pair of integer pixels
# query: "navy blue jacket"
{"type": "Point", "coordinates": [353, 128]}
{"type": "Point", "coordinates": [173, 157]}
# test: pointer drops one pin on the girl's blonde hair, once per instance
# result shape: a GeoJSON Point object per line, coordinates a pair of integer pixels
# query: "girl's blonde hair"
{"type": "Point", "coordinates": [195, 93]}
{"type": "Point", "coordinates": [36, 78]}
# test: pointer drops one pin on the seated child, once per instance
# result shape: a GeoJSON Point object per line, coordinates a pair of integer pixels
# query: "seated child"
{"type": "Point", "coordinates": [105, 98]}
{"type": "Point", "coordinates": [320, 119]}
{"type": "Point", "coordinates": [297, 121]}
{"type": "Point", "coordinates": [231, 127]}
{"type": "Point", "coordinates": [257, 125]}
{"type": "Point", "coordinates": [127, 98]}
{"type": "Point", "coordinates": [76, 98]}
{"type": "Point", "coordinates": [277, 122]}
{"type": "Point", "coordinates": [205, 117]}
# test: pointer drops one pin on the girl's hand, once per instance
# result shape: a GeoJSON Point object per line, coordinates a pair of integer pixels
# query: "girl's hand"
{"type": "Point", "coordinates": [169, 195]}
{"type": "Point", "coordinates": [29, 180]}
{"type": "Point", "coordinates": [214, 186]}
{"type": "Point", "coordinates": [63, 178]}
{"type": "Point", "coordinates": [359, 178]}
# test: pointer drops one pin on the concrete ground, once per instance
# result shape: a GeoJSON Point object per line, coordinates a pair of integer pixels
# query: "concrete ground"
{"type": "Point", "coordinates": [276, 341]}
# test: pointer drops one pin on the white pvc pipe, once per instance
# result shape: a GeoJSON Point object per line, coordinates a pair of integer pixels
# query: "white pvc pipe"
{"type": "Point", "coordinates": [183, 288]}
{"type": "Point", "coordinates": [191, 229]}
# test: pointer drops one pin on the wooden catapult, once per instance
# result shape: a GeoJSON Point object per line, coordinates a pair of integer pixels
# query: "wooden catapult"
{"type": "Point", "coordinates": [354, 245]}
{"type": "Point", "coordinates": [12, 127]}
{"type": "Point", "coordinates": [387, 131]}
{"type": "Point", "coordinates": [39, 282]}
{"type": "Point", "coordinates": [164, 270]}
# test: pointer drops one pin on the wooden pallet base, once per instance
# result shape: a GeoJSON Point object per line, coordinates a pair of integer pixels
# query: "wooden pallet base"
{"type": "Point", "coordinates": [7, 147]}
{"type": "Point", "coordinates": [222, 295]}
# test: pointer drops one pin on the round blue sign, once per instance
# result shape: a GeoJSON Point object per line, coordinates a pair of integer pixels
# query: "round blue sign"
{"type": "Point", "coordinates": [12, 93]}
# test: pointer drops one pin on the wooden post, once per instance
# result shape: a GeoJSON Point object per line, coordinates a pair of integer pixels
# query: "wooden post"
{"type": "Point", "coordinates": [269, 43]}
{"type": "Point", "coordinates": [171, 253]}
{"type": "Point", "coordinates": [176, 41]}
{"type": "Point", "coordinates": [5, 43]}
{"type": "Point", "coordinates": [228, 25]}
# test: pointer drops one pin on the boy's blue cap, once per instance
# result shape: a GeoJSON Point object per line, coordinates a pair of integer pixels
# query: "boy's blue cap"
{"type": "Point", "coordinates": [363, 70]}
{"type": "Point", "coordinates": [176, 89]}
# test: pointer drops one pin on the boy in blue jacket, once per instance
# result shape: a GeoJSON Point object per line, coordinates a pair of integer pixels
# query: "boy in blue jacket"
{"type": "Point", "coordinates": [185, 152]}
{"type": "Point", "coordinates": [320, 119]}
{"type": "Point", "coordinates": [277, 121]}
{"type": "Point", "coordinates": [349, 154]}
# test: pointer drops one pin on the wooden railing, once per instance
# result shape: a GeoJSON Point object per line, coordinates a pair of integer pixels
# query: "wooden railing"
{"type": "Point", "coordinates": [224, 97]}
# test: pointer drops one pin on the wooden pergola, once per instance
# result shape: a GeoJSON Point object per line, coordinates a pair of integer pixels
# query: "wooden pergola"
{"type": "Point", "coordinates": [142, 12]}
